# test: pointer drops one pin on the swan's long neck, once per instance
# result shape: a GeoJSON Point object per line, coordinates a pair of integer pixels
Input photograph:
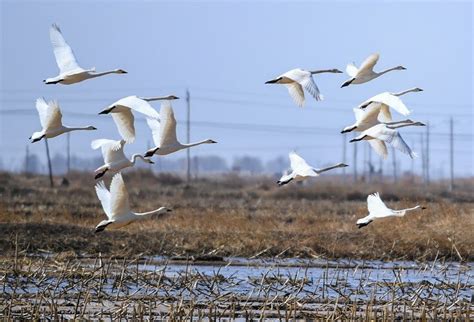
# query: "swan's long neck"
{"type": "Point", "coordinates": [85, 128]}
{"type": "Point", "coordinates": [94, 74]}
{"type": "Point", "coordinates": [153, 212]}
{"type": "Point", "coordinates": [158, 98]}
{"type": "Point", "coordinates": [339, 165]}
{"type": "Point", "coordinates": [325, 71]}
{"type": "Point", "coordinates": [387, 70]}
{"type": "Point", "coordinates": [134, 158]}
{"type": "Point", "coordinates": [402, 212]}
{"type": "Point", "coordinates": [414, 89]}
{"type": "Point", "coordinates": [397, 126]}
{"type": "Point", "coordinates": [412, 208]}
{"type": "Point", "coordinates": [188, 145]}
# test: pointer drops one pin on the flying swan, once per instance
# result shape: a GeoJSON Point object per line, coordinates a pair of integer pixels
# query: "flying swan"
{"type": "Point", "coordinates": [392, 100]}
{"type": "Point", "coordinates": [69, 70]}
{"type": "Point", "coordinates": [300, 170]}
{"type": "Point", "coordinates": [377, 209]}
{"type": "Point", "coordinates": [297, 79]}
{"type": "Point", "coordinates": [51, 121]}
{"type": "Point", "coordinates": [365, 73]}
{"type": "Point", "coordinates": [164, 133]}
{"type": "Point", "coordinates": [116, 205]}
{"type": "Point", "coordinates": [121, 112]}
{"type": "Point", "coordinates": [114, 158]}
{"type": "Point", "coordinates": [387, 133]}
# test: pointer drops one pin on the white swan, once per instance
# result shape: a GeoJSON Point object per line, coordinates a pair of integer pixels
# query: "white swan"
{"type": "Point", "coordinates": [114, 158]}
{"type": "Point", "coordinates": [365, 73]}
{"type": "Point", "coordinates": [301, 170]}
{"type": "Point", "coordinates": [121, 112]}
{"type": "Point", "coordinates": [387, 133]}
{"type": "Point", "coordinates": [164, 133]}
{"type": "Point", "coordinates": [51, 121]}
{"type": "Point", "coordinates": [391, 100]}
{"type": "Point", "coordinates": [69, 70]}
{"type": "Point", "coordinates": [297, 79]}
{"type": "Point", "coordinates": [377, 209]}
{"type": "Point", "coordinates": [116, 205]}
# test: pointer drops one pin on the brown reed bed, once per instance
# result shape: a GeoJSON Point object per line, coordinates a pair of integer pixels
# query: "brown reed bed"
{"type": "Point", "coordinates": [108, 288]}
{"type": "Point", "coordinates": [237, 217]}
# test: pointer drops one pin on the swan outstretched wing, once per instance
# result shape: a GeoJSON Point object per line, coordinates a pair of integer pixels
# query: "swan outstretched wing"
{"type": "Point", "coordinates": [379, 147]}
{"type": "Point", "coordinates": [377, 207]}
{"type": "Point", "coordinates": [394, 138]}
{"type": "Point", "coordinates": [124, 121]}
{"type": "Point", "coordinates": [155, 128]}
{"type": "Point", "coordinates": [49, 113]}
{"type": "Point", "coordinates": [112, 151]}
{"type": "Point", "coordinates": [299, 165]}
{"type": "Point", "coordinates": [104, 196]}
{"type": "Point", "coordinates": [137, 104]}
{"type": "Point", "coordinates": [310, 86]}
{"type": "Point", "coordinates": [368, 116]}
{"type": "Point", "coordinates": [62, 51]}
{"type": "Point", "coordinates": [368, 65]}
{"type": "Point", "coordinates": [392, 101]}
{"type": "Point", "coordinates": [351, 70]}
{"type": "Point", "coordinates": [167, 124]}
{"type": "Point", "coordinates": [296, 92]}
{"type": "Point", "coordinates": [119, 203]}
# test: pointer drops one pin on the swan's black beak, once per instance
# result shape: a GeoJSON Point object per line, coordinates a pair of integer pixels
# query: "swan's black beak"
{"type": "Point", "coordinates": [344, 165]}
{"type": "Point", "coordinates": [212, 141]}
{"type": "Point", "coordinates": [169, 210]}
{"type": "Point", "coordinates": [347, 83]}
{"type": "Point", "coordinates": [151, 162]}
{"type": "Point", "coordinates": [423, 208]}
{"type": "Point", "coordinates": [273, 81]}
{"type": "Point", "coordinates": [337, 71]}
{"type": "Point", "coordinates": [150, 153]}
{"type": "Point", "coordinates": [94, 128]}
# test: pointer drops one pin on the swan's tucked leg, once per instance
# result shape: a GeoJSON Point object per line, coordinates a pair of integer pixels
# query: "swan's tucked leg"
{"type": "Point", "coordinates": [363, 224]}
{"type": "Point", "coordinates": [100, 174]}
{"type": "Point", "coordinates": [347, 83]}
{"type": "Point", "coordinates": [282, 183]}
{"type": "Point", "coordinates": [100, 227]}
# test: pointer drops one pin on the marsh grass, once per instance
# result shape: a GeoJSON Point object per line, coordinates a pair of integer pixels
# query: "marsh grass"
{"type": "Point", "coordinates": [234, 216]}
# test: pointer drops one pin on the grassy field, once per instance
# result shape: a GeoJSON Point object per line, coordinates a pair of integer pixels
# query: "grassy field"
{"type": "Point", "coordinates": [232, 216]}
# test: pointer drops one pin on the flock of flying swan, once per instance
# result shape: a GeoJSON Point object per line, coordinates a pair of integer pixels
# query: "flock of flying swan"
{"type": "Point", "coordinates": [373, 120]}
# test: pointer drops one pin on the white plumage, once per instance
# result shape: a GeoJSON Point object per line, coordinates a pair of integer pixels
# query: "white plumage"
{"type": "Point", "coordinates": [51, 121]}
{"type": "Point", "coordinates": [114, 157]}
{"type": "Point", "coordinates": [69, 70]}
{"type": "Point", "coordinates": [116, 206]}
{"type": "Point", "coordinates": [298, 79]}
{"type": "Point", "coordinates": [300, 169]}
{"type": "Point", "coordinates": [378, 209]}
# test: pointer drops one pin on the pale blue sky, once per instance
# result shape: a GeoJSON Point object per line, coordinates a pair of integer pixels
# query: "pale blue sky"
{"type": "Point", "coordinates": [224, 52]}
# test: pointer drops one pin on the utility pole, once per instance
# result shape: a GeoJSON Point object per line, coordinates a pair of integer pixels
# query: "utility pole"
{"type": "Point", "coordinates": [371, 167]}
{"type": "Point", "coordinates": [428, 153]}
{"type": "Point", "coordinates": [413, 163]}
{"type": "Point", "coordinates": [344, 156]}
{"type": "Point", "coordinates": [188, 136]}
{"type": "Point", "coordinates": [355, 161]}
{"type": "Point", "coordinates": [68, 152]}
{"type": "Point", "coordinates": [49, 163]}
{"type": "Point", "coordinates": [451, 154]}
{"type": "Point", "coordinates": [394, 164]}
{"type": "Point", "coordinates": [27, 160]}
{"type": "Point", "coordinates": [364, 164]}
{"type": "Point", "coordinates": [148, 148]}
{"type": "Point", "coordinates": [423, 157]}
